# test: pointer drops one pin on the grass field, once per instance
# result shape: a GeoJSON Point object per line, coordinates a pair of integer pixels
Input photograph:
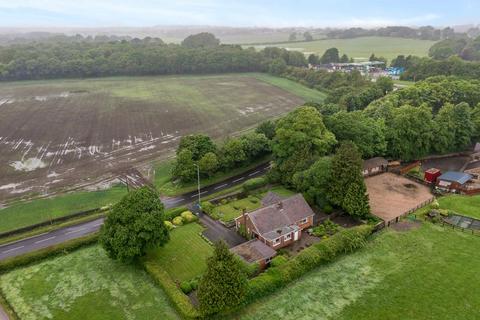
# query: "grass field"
{"type": "Point", "coordinates": [231, 210]}
{"type": "Point", "coordinates": [85, 284]}
{"type": "Point", "coordinates": [427, 273]}
{"type": "Point", "coordinates": [183, 257]}
{"type": "Point", "coordinates": [363, 47]}
{"type": "Point", "coordinates": [464, 205]}
{"type": "Point", "coordinates": [59, 133]}
{"type": "Point", "coordinates": [24, 214]}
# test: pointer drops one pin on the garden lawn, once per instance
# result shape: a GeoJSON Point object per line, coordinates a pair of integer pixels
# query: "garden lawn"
{"type": "Point", "coordinates": [427, 273]}
{"type": "Point", "coordinates": [85, 284]}
{"type": "Point", "coordinates": [24, 214]}
{"type": "Point", "coordinates": [184, 256]}
{"type": "Point", "coordinates": [233, 209]}
{"type": "Point", "coordinates": [464, 205]}
{"type": "Point", "coordinates": [281, 191]}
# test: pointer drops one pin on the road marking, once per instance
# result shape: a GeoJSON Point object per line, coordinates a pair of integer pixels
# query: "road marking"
{"type": "Point", "coordinates": [13, 249]}
{"type": "Point", "coordinates": [254, 173]}
{"type": "Point", "coordinates": [43, 240]}
{"type": "Point", "coordinates": [239, 179]}
{"type": "Point", "coordinates": [73, 231]}
{"type": "Point", "coordinates": [98, 224]}
{"type": "Point", "coordinates": [23, 239]}
{"type": "Point", "coordinates": [219, 187]}
{"type": "Point", "coordinates": [177, 200]}
{"type": "Point", "coordinates": [196, 195]}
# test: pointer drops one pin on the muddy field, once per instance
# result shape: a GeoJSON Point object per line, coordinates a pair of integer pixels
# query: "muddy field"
{"type": "Point", "coordinates": [392, 195]}
{"type": "Point", "coordinates": [64, 133]}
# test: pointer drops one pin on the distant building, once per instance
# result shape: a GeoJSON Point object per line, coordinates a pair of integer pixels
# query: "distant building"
{"type": "Point", "coordinates": [374, 166]}
{"type": "Point", "coordinates": [279, 224]}
{"type": "Point", "coordinates": [453, 181]}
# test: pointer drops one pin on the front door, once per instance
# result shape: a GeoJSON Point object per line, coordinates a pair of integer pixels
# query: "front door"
{"type": "Point", "coordinates": [295, 235]}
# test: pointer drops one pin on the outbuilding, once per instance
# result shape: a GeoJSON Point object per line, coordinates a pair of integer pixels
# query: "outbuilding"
{"type": "Point", "coordinates": [431, 175]}
{"type": "Point", "coordinates": [453, 181]}
{"type": "Point", "coordinates": [374, 166]}
{"type": "Point", "coordinates": [255, 251]}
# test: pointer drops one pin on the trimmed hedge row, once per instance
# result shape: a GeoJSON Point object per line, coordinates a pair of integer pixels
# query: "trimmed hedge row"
{"type": "Point", "coordinates": [254, 183]}
{"type": "Point", "coordinates": [178, 299]}
{"type": "Point", "coordinates": [172, 213]}
{"type": "Point", "coordinates": [347, 240]}
{"type": "Point", "coordinates": [41, 254]}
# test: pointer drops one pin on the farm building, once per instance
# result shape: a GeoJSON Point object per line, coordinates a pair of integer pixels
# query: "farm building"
{"type": "Point", "coordinates": [431, 175]}
{"type": "Point", "coordinates": [453, 181]}
{"type": "Point", "coordinates": [374, 166]}
{"type": "Point", "coordinates": [255, 251]}
{"type": "Point", "coordinates": [279, 224]}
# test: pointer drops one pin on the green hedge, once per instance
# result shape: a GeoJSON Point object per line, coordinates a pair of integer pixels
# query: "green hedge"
{"type": "Point", "coordinates": [178, 299]}
{"type": "Point", "coordinates": [174, 212]}
{"type": "Point", "coordinates": [347, 240]}
{"type": "Point", "coordinates": [62, 248]}
{"type": "Point", "coordinates": [8, 308]}
{"type": "Point", "coordinates": [254, 183]}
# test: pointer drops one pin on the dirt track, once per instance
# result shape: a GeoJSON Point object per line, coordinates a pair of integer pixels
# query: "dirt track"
{"type": "Point", "coordinates": [56, 135]}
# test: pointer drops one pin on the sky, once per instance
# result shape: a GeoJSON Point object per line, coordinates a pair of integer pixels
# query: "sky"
{"type": "Point", "coordinates": [241, 13]}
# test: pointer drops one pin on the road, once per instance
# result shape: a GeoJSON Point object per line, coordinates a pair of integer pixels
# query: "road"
{"type": "Point", "coordinates": [47, 239]}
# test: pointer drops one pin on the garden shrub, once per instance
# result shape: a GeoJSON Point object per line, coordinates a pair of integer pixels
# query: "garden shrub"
{"type": "Point", "coordinates": [169, 214]}
{"type": "Point", "coordinates": [169, 225]}
{"type": "Point", "coordinates": [188, 216]}
{"type": "Point", "coordinates": [223, 201]}
{"type": "Point", "coordinates": [435, 204]}
{"type": "Point", "coordinates": [278, 260]}
{"type": "Point", "coordinates": [254, 183]}
{"type": "Point", "coordinates": [277, 276]}
{"type": "Point", "coordinates": [327, 209]}
{"type": "Point", "coordinates": [253, 199]}
{"type": "Point", "coordinates": [207, 207]}
{"type": "Point", "coordinates": [327, 228]}
{"type": "Point", "coordinates": [178, 221]}
{"type": "Point", "coordinates": [186, 287]}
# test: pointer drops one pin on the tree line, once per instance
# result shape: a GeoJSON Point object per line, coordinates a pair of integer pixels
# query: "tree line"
{"type": "Point", "coordinates": [423, 33]}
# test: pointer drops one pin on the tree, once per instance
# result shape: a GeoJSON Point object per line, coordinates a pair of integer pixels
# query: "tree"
{"type": "Point", "coordinates": [201, 40]}
{"type": "Point", "coordinates": [134, 225]}
{"type": "Point", "coordinates": [267, 128]}
{"type": "Point", "coordinates": [344, 58]}
{"type": "Point", "coordinates": [313, 59]}
{"type": "Point", "coordinates": [307, 36]}
{"type": "Point", "coordinates": [232, 153]}
{"type": "Point", "coordinates": [292, 37]}
{"type": "Point", "coordinates": [313, 182]}
{"type": "Point", "coordinates": [224, 283]}
{"type": "Point", "coordinates": [385, 84]}
{"type": "Point", "coordinates": [475, 117]}
{"type": "Point", "coordinates": [184, 168]}
{"type": "Point", "coordinates": [255, 145]}
{"type": "Point", "coordinates": [198, 144]}
{"type": "Point", "coordinates": [277, 66]}
{"type": "Point", "coordinates": [355, 202]}
{"type": "Point", "coordinates": [208, 164]}
{"type": "Point", "coordinates": [367, 133]}
{"type": "Point", "coordinates": [300, 138]}
{"type": "Point", "coordinates": [346, 169]}
{"type": "Point", "coordinates": [410, 132]}
{"type": "Point", "coordinates": [330, 56]}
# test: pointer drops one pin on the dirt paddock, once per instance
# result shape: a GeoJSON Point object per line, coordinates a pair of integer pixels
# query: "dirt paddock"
{"type": "Point", "coordinates": [392, 195]}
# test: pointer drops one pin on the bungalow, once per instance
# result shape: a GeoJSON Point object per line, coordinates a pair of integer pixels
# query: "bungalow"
{"type": "Point", "coordinates": [453, 181]}
{"type": "Point", "coordinates": [278, 224]}
{"type": "Point", "coordinates": [374, 166]}
{"type": "Point", "coordinates": [255, 251]}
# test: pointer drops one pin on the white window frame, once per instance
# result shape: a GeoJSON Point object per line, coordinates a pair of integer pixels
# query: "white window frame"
{"type": "Point", "coordinates": [287, 235]}
{"type": "Point", "coordinates": [303, 221]}
{"type": "Point", "coordinates": [276, 242]}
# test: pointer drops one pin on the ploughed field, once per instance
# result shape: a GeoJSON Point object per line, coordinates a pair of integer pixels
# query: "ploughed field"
{"type": "Point", "coordinates": [59, 133]}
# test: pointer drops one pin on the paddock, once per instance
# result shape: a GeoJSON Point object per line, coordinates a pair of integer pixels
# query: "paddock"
{"type": "Point", "coordinates": [392, 196]}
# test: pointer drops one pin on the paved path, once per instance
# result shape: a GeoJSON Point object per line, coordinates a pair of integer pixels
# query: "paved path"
{"type": "Point", "coordinates": [3, 314]}
{"type": "Point", "coordinates": [216, 231]}
{"type": "Point", "coordinates": [64, 234]}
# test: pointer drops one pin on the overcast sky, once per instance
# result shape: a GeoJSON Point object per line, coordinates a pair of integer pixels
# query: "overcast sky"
{"type": "Point", "coordinates": [278, 13]}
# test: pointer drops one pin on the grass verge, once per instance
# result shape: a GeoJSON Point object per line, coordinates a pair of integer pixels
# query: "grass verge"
{"type": "Point", "coordinates": [464, 205]}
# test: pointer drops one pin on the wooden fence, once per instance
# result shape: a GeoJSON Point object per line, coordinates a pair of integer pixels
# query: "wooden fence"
{"type": "Point", "coordinates": [410, 211]}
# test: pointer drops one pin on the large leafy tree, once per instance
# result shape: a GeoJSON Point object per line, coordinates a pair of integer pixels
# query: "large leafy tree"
{"type": "Point", "coordinates": [330, 56]}
{"type": "Point", "coordinates": [267, 128]}
{"type": "Point", "coordinates": [300, 138]}
{"type": "Point", "coordinates": [134, 225]}
{"type": "Point", "coordinates": [410, 132]}
{"type": "Point", "coordinates": [201, 40]}
{"type": "Point", "coordinates": [208, 165]}
{"type": "Point", "coordinates": [224, 284]}
{"type": "Point", "coordinates": [232, 153]}
{"type": "Point", "coordinates": [367, 133]}
{"type": "Point", "coordinates": [198, 144]}
{"type": "Point", "coordinates": [184, 167]}
{"type": "Point", "coordinates": [255, 145]}
{"type": "Point", "coordinates": [314, 182]}
{"type": "Point", "coordinates": [346, 171]}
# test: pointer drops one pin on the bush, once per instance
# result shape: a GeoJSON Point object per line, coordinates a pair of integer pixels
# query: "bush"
{"type": "Point", "coordinates": [275, 277]}
{"type": "Point", "coordinates": [327, 228]}
{"type": "Point", "coordinates": [223, 201]}
{"type": "Point", "coordinates": [254, 183]}
{"type": "Point", "coordinates": [178, 221]}
{"type": "Point", "coordinates": [186, 287]}
{"type": "Point", "coordinates": [169, 225]}
{"type": "Point", "coordinates": [327, 209]}
{"type": "Point", "coordinates": [173, 212]}
{"type": "Point", "coordinates": [207, 207]}
{"type": "Point", "coordinates": [253, 199]}
{"type": "Point", "coordinates": [188, 216]}
{"type": "Point", "coordinates": [278, 260]}
{"type": "Point", "coordinates": [435, 204]}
